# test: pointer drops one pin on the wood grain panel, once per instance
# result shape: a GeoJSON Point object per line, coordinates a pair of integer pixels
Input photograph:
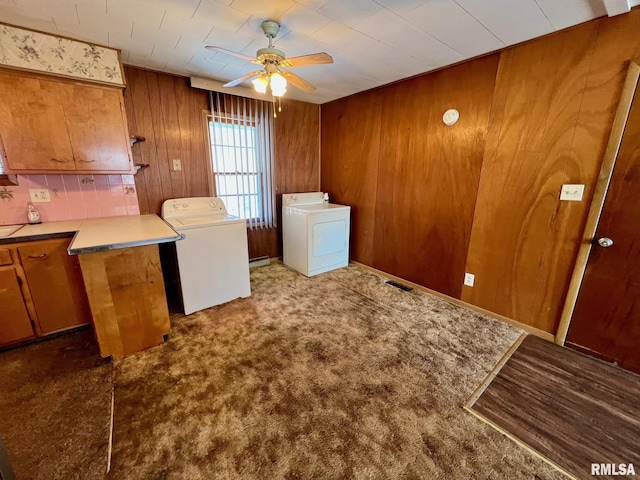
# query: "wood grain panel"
{"type": "Point", "coordinates": [127, 298]}
{"type": "Point", "coordinates": [15, 324]}
{"type": "Point", "coordinates": [148, 185]}
{"type": "Point", "coordinates": [97, 127]}
{"type": "Point", "coordinates": [162, 159]}
{"type": "Point", "coordinates": [30, 104]}
{"type": "Point", "coordinates": [570, 408]}
{"type": "Point", "coordinates": [606, 319]}
{"type": "Point", "coordinates": [518, 222]}
{"type": "Point", "coordinates": [607, 67]}
{"type": "Point", "coordinates": [5, 257]}
{"type": "Point", "coordinates": [191, 105]}
{"type": "Point", "coordinates": [349, 166]}
{"type": "Point", "coordinates": [56, 285]}
{"type": "Point", "coordinates": [296, 163]}
{"type": "Point", "coordinates": [263, 242]}
{"type": "Point", "coordinates": [297, 148]}
{"type": "Point", "coordinates": [553, 109]}
{"type": "Point", "coordinates": [172, 134]}
{"type": "Point", "coordinates": [428, 173]}
{"type": "Point", "coordinates": [168, 113]}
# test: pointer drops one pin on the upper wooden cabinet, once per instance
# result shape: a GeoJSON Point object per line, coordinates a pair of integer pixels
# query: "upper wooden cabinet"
{"type": "Point", "coordinates": [56, 126]}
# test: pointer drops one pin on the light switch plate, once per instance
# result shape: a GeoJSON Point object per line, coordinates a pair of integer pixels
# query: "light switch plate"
{"type": "Point", "coordinates": [571, 192]}
{"type": "Point", "coordinates": [177, 164]}
{"type": "Point", "coordinates": [39, 195]}
{"type": "Point", "coordinates": [469, 279]}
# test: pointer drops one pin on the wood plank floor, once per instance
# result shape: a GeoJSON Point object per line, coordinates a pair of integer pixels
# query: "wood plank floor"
{"type": "Point", "coordinates": [571, 409]}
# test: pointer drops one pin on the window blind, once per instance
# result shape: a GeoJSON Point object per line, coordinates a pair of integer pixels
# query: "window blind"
{"type": "Point", "coordinates": [241, 138]}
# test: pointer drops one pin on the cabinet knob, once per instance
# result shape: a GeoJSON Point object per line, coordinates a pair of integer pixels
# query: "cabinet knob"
{"type": "Point", "coordinates": [82, 160]}
{"type": "Point", "coordinates": [42, 255]}
{"type": "Point", "coordinates": [58, 160]}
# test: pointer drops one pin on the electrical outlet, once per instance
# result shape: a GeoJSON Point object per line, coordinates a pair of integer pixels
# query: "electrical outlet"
{"type": "Point", "coordinates": [177, 164]}
{"type": "Point", "coordinates": [572, 193]}
{"type": "Point", "coordinates": [39, 195]}
{"type": "Point", "coordinates": [469, 279]}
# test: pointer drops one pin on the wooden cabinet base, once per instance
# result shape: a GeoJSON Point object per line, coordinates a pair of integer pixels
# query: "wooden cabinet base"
{"type": "Point", "coordinates": [127, 298]}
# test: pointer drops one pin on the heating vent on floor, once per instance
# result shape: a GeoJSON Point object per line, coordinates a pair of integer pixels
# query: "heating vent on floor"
{"type": "Point", "coordinates": [399, 285]}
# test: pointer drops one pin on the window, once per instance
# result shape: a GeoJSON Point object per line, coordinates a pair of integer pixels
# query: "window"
{"type": "Point", "coordinates": [240, 137]}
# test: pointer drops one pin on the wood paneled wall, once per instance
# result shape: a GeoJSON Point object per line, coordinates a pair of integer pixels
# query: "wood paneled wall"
{"type": "Point", "coordinates": [410, 179]}
{"type": "Point", "coordinates": [350, 148]}
{"type": "Point", "coordinates": [553, 111]}
{"type": "Point", "coordinates": [166, 111]}
{"type": "Point", "coordinates": [550, 116]}
{"type": "Point", "coordinates": [297, 151]}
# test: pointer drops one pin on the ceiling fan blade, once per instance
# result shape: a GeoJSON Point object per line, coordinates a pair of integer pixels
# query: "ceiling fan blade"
{"type": "Point", "coordinates": [297, 81]}
{"type": "Point", "coordinates": [304, 60]}
{"type": "Point", "coordinates": [229, 52]}
{"type": "Point", "coordinates": [238, 81]}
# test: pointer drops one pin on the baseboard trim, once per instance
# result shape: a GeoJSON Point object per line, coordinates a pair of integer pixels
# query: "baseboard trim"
{"type": "Point", "coordinates": [527, 328]}
{"type": "Point", "coordinates": [259, 261]}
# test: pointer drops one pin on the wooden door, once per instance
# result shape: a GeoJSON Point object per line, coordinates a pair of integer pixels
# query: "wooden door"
{"type": "Point", "coordinates": [97, 127]}
{"type": "Point", "coordinates": [14, 318]}
{"type": "Point", "coordinates": [32, 124]}
{"type": "Point", "coordinates": [606, 319]}
{"type": "Point", "coordinates": [55, 282]}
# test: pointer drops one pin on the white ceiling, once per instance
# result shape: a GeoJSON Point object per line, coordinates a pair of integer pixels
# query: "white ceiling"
{"type": "Point", "coordinates": [373, 42]}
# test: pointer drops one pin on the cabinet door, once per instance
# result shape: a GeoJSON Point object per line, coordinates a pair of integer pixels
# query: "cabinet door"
{"type": "Point", "coordinates": [14, 318]}
{"type": "Point", "coordinates": [56, 285]}
{"type": "Point", "coordinates": [97, 127]}
{"type": "Point", "coordinates": [32, 124]}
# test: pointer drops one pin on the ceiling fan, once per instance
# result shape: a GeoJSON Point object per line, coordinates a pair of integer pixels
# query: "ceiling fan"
{"type": "Point", "coordinates": [272, 60]}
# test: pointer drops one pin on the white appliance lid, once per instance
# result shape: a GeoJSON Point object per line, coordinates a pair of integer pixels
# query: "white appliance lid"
{"type": "Point", "coordinates": [199, 221]}
{"type": "Point", "coordinates": [193, 206]}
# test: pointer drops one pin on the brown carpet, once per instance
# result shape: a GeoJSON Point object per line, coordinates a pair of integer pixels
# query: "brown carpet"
{"type": "Point", "coordinates": [573, 409]}
{"type": "Point", "coordinates": [338, 376]}
{"type": "Point", "coordinates": [55, 408]}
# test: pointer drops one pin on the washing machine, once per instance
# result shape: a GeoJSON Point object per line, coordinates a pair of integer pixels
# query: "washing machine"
{"type": "Point", "coordinates": [213, 257]}
{"type": "Point", "coordinates": [315, 233]}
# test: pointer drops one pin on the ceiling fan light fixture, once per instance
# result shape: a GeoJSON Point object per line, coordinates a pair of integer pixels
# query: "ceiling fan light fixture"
{"type": "Point", "coordinates": [278, 84]}
{"type": "Point", "coordinates": [260, 84]}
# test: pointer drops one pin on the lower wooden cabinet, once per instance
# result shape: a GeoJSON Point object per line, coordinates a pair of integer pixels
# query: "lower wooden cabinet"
{"type": "Point", "coordinates": [15, 324]}
{"type": "Point", "coordinates": [41, 290]}
{"type": "Point", "coordinates": [127, 297]}
{"type": "Point", "coordinates": [55, 283]}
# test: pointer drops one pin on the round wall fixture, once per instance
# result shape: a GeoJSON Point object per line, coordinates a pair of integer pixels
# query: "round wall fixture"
{"type": "Point", "coordinates": [451, 116]}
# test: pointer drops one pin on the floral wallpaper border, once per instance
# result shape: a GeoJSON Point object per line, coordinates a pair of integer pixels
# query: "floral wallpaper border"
{"type": "Point", "coordinates": [42, 52]}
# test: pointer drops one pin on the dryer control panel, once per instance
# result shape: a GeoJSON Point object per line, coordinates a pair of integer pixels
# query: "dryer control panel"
{"type": "Point", "coordinates": [307, 198]}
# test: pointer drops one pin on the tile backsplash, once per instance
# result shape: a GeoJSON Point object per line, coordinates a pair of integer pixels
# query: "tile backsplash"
{"type": "Point", "coordinates": [73, 197]}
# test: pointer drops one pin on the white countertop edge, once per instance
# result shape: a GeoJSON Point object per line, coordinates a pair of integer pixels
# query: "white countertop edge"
{"type": "Point", "coordinates": [100, 234]}
{"type": "Point", "coordinates": [116, 246]}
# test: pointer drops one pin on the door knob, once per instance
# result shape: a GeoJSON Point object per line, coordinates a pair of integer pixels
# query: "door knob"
{"type": "Point", "coordinates": [605, 242]}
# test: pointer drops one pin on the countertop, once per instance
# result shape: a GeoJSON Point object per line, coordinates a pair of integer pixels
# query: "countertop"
{"type": "Point", "coordinates": [99, 234]}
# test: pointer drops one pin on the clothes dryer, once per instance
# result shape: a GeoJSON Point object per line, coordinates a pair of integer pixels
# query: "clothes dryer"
{"type": "Point", "coordinates": [315, 234]}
